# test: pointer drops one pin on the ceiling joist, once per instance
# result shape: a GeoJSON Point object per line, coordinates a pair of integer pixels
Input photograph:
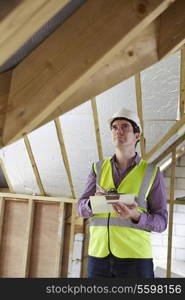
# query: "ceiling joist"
{"type": "Point", "coordinates": [64, 62]}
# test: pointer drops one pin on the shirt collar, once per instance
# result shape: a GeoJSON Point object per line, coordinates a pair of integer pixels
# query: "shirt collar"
{"type": "Point", "coordinates": [135, 160]}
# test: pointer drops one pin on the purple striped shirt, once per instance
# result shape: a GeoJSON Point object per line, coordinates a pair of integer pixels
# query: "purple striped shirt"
{"type": "Point", "coordinates": [157, 216]}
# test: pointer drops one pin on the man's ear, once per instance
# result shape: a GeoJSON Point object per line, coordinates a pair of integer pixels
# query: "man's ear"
{"type": "Point", "coordinates": [138, 135]}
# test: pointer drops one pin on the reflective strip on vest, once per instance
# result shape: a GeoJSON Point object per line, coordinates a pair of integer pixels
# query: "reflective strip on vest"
{"type": "Point", "coordinates": [144, 187]}
{"type": "Point", "coordinates": [113, 222]}
{"type": "Point", "coordinates": [98, 171]}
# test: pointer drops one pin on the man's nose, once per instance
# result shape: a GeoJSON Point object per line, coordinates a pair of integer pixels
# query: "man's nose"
{"type": "Point", "coordinates": [120, 129]}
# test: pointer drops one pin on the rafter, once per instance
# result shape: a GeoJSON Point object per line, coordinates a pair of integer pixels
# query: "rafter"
{"type": "Point", "coordinates": [143, 51]}
{"type": "Point", "coordinates": [137, 55]}
{"type": "Point", "coordinates": [64, 154]}
{"type": "Point", "coordinates": [5, 82]}
{"type": "Point", "coordinates": [6, 175]}
{"type": "Point", "coordinates": [22, 21]}
{"type": "Point", "coordinates": [172, 29]}
{"type": "Point", "coordinates": [68, 58]}
{"type": "Point", "coordinates": [140, 109]}
{"type": "Point", "coordinates": [33, 164]}
{"type": "Point", "coordinates": [97, 129]}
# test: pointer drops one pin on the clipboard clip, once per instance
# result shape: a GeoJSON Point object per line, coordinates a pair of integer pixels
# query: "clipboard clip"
{"type": "Point", "coordinates": [112, 192]}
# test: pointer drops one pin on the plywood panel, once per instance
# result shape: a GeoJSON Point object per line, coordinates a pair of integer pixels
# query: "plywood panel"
{"type": "Point", "coordinates": [13, 235]}
{"type": "Point", "coordinates": [44, 241]}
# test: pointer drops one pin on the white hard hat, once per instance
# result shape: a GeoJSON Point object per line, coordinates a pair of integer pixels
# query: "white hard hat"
{"type": "Point", "coordinates": [128, 114]}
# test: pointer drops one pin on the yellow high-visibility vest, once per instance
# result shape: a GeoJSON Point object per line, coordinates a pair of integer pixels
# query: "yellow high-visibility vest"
{"type": "Point", "coordinates": [120, 236]}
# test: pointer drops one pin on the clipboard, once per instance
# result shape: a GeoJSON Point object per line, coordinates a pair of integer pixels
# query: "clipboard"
{"type": "Point", "coordinates": [102, 204]}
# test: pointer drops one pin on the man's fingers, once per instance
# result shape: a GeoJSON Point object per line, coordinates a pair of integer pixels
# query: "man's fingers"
{"type": "Point", "coordinates": [100, 193]}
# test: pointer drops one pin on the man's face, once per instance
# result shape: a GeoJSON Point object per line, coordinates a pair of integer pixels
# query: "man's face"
{"type": "Point", "coordinates": [123, 134]}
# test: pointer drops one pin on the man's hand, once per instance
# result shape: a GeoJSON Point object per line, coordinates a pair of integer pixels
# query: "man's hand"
{"type": "Point", "coordinates": [100, 192]}
{"type": "Point", "coordinates": [126, 211]}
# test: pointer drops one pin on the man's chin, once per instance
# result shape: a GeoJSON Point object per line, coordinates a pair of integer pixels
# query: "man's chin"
{"type": "Point", "coordinates": [120, 142]}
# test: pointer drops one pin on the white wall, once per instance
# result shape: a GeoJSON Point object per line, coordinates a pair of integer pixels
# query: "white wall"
{"type": "Point", "coordinates": [160, 240]}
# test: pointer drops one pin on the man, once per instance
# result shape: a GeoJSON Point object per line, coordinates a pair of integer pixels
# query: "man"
{"type": "Point", "coordinates": [119, 244]}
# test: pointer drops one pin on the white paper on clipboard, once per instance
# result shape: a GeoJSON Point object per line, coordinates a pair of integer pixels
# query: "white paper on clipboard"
{"type": "Point", "coordinates": [100, 204]}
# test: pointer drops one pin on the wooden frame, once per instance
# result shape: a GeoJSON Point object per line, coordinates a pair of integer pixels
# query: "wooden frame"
{"type": "Point", "coordinates": [171, 208]}
{"type": "Point", "coordinates": [64, 154]}
{"type": "Point", "coordinates": [140, 110]}
{"type": "Point", "coordinates": [97, 129]}
{"type": "Point", "coordinates": [34, 214]}
{"type": "Point", "coordinates": [34, 165]}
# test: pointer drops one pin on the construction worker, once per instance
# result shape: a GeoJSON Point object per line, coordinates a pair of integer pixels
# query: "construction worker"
{"type": "Point", "coordinates": [119, 242]}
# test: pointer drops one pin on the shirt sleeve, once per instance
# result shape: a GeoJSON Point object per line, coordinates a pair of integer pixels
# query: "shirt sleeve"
{"type": "Point", "coordinates": [156, 218]}
{"type": "Point", "coordinates": [83, 205]}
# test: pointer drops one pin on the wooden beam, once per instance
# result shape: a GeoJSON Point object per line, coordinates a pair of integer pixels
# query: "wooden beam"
{"type": "Point", "coordinates": [97, 129]}
{"type": "Point", "coordinates": [2, 206]}
{"type": "Point", "coordinates": [64, 154]}
{"type": "Point", "coordinates": [60, 240]}
{"type": "Point", "coordinates": [85, 249]}
{"type": "Point", "coordinates": [6, 176]}
{"type": "Point", "coordinates": [36, 198]}
{"type": "Point", "coordinates": [72, 235]}
{"type": "Point", "coordinates": [166, 137]}
{"type": "Point", "coordinates": [182, 84]}
{"type": "Point", "coordinates": [6, 7]}
{"type": "Point", "coordinates": [171, 207]}
{"type": "Point", "coordinates": [136, 56]}
{"type": "Point", "coordinates": [180, 140]}
{"type": "Point", "coordinates": [140, 110]}
{"type": "Point", "coordinates": [150, 46]}
{"type": "Point", "coordinates": [168, 162]}
{"type": "Point", "coordinates": [34, 165]}
{"type": "Point", "coordinates": [23, 21]}
{"type": "Point", "coordinates": [172, 25]}
{"type": "Point", "coordinates": [4, 190]}
{"type": "Point", "coordinates": [5, 82]}
{"type": "Point", "coordinates": [181, 202]}
{"type": "Point", "coordinates": [57, 71]}
{"type": "Point", "coordinates": [28, 238]}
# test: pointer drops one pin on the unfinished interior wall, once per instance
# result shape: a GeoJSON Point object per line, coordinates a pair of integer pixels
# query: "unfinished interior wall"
{"type": "Point", "coordinates": [160, 240]}
{"type": "Point", "coordinates": [37, 238]}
